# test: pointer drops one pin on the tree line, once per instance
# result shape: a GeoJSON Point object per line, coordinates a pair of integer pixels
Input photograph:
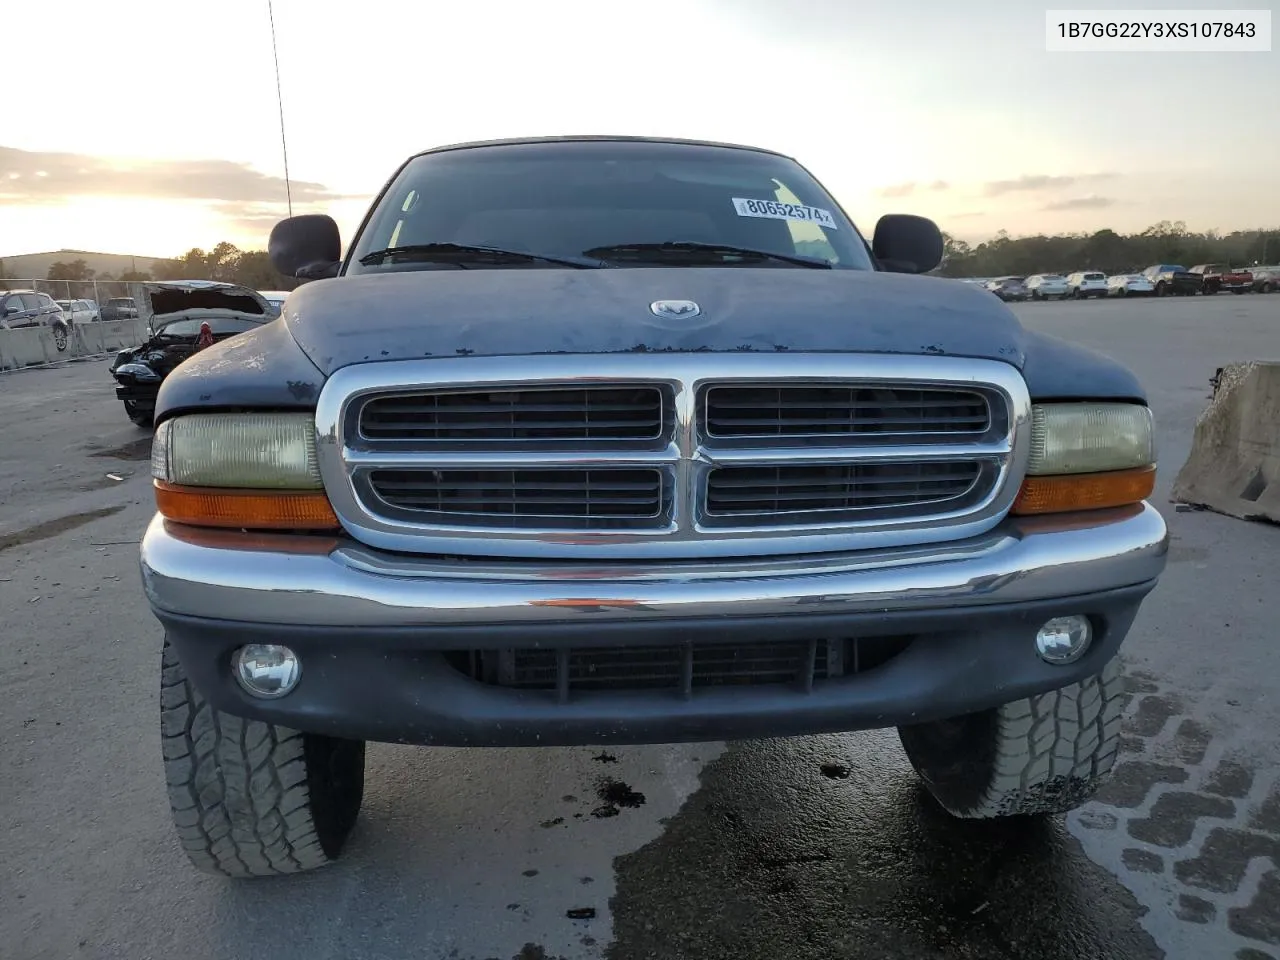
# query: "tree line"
{"type": "Point", "coordinates": [1108, 251]}
{"type": "Point", "coordinates": [224, 262]}
{"type": "Point", "coordinates": [1104, 250]}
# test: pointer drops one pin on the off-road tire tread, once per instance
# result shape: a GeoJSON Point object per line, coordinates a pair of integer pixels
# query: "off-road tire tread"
{"type": "Point", "coordinates": [238, 788]}
{"type": "Point", "coordinates": [1046, 754]}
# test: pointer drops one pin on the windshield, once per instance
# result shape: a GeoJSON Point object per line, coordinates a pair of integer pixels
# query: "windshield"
{"type": "Point", "coordinates": [563, 199]}
{"type": "Point", "coordinates": [190, 327]}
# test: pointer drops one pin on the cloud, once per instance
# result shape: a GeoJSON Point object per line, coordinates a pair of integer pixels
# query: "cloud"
{"type": "Point", "coordinates": [28, 177]}
{"type": "Point", "coordinates": [898, 190]}
{"type": "Point", "coordinates": [910, 187]}
{"type": "Point", "coordinates": [1081, 203]}
{"type": "Point", "coordinates": [1036, 182]}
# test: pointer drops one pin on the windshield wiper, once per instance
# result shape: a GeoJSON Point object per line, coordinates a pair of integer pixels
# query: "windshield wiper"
{"type": "Point", "coordinates": [462, 254]}
{"type": "Point", "coordinates": [694, 252]}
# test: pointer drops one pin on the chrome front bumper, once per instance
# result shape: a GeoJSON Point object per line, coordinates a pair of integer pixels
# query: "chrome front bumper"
{"type": "Point", "coordinates": [268, 580]}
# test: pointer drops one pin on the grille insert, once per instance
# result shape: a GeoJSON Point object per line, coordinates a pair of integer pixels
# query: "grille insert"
{"type": "Point", "coordinates": [681, 667]}
{"type": "Point", "coordinates": [520, 415]}
{"type": "Point", "coordinates": [769, 411]}
{"type": "Point", "coordinates": [791, 489]}
{"type": "Point", "coordinates": [498, 495]}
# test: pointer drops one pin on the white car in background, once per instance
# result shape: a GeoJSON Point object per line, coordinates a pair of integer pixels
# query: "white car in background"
{"type": "Point", "coordinates": [1129, 285]}
{"type": "Point", "coordinates": [79, 311]}
{"type": "Point", "coordinates": [1087, 283]}
{"type": "Point", "coordinates": [1045, 286]}
{"type": "Point", "coordinates": [274, 298]}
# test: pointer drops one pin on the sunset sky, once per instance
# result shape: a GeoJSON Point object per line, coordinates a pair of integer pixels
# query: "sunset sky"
{"type": "Point", "coordinates": [150, 127]}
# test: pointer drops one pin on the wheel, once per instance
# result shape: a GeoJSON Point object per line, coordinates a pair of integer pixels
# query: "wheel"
{"type": "Point", "coordinates": [250, 799]}
{"type": "Point", "coordinates": [138, 415]}
{"type": "Point", "coordinates": [1044, 755]}
{"type": "Point", "coordinates": [60, 337]}
{"type": "Point", "coordinates": [1162, 289]}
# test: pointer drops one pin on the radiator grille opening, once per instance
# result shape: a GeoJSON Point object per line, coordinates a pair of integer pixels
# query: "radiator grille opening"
{"type": "Point", "coordinates": [767, 411]}
{"type": "Point", "coordinates": [504, 415]}
{"type": "Point", "coordinates": [498, 495]}
{"type": "Point", "coordinates": [837, 488]}
{"type": "Point", "coordinates": [680, 667]}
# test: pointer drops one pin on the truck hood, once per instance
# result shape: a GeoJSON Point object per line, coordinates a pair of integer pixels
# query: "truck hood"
{"type": "Point", "coordinates": [172, 300]}
{"type": "Point", "coordinates": [445, 313]}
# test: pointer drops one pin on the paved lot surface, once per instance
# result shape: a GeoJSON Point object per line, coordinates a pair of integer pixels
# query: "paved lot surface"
{"type": "Point", "coordinates": [740, 850]}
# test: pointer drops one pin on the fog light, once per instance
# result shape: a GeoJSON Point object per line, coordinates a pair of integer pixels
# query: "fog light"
{"type": "Point", "coordinates": [1064, 639]}
{"type": "Point", "coordinates": [267, 670]}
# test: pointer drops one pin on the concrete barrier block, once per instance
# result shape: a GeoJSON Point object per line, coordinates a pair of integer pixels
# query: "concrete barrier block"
{"type": "Point", "coordinates": [1234, 466]}
{"type": "Point", "coordinates": [27, 346]}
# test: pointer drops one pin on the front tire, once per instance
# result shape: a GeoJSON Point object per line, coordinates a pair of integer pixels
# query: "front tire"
{"type": "Point", "coordinates": [251, 799]}
{"type": "Point", "coordinates": [1047, 754]}
{"type": "Point", "coordinates": [142, 417]}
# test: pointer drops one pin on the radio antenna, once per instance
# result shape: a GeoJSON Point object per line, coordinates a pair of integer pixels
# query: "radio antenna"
{"type": "Point", "coordinates": [284, 147]}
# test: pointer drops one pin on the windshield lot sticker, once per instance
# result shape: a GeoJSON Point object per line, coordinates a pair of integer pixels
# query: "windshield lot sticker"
{"type": "Point", "coordinates": [774, 210]}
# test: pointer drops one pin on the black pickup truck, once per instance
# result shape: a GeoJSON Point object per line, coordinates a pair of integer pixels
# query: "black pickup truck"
{"type": "Point", "coordinates": [618, 440]}
{"type": "Point", "coordinates": [1170, 279]}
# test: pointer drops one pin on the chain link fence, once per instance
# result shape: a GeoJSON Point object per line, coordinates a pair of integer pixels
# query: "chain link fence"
{"type": "Point", "coordinates": [97, 318]}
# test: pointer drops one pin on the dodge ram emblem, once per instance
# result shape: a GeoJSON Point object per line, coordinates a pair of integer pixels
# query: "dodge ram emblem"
{"type": "Point", "coordinates": [675, 309]}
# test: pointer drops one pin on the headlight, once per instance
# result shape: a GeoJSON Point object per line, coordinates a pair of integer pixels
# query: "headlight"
{"type": "Point", "coordinates": [252, 471]}
{"type": "Point", "coordinates": [1090, 438]}
{"type": "Point", "coordinates": [1088, 456]}
{"type": "Point", "coordinates": [260, 450]}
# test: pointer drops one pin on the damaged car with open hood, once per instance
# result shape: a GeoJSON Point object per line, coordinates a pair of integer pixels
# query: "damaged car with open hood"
{"type": "Point", "coordinates": [185, 316]}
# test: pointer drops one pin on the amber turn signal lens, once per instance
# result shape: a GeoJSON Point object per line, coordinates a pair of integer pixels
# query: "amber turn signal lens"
{"type": "Point", "coordinates": [1084, 491]}
{"type": "Point", "coordinates": [245, 509]}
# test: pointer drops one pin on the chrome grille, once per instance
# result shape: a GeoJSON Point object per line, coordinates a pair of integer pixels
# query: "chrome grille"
{"type": "Point", "coordinates": [515, 414]}
{"type": "Point", "coordinates": [835, 410]}
{"type": "Point", "coordinates": [502, 496]}
{"type": "Point", "coordinates": [647, 455]}
{"type": "Point", "coordinates": [784, 491]}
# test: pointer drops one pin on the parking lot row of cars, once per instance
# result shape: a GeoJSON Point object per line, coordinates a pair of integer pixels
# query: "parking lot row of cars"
{"type": "Point", "coordinates": [30, 308]}
{"type": "Point", "coordinates": [1161, 279]}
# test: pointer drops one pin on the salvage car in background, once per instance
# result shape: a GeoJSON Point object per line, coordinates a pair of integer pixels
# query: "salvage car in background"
{"type": "Point", "coordinates": [1085, 284]}
{"type": "Point", "coordinates": [120, 308]}
{"type": "Point", "coordinates": [1009, 289]}
{"type": "Point", "coordinates": [28, 308]}
{"type": "Point", "coordinates": [79, 311]}
{"type": "Point", "coordinates": [1046, 286]}
{"type": "Point", "coordinates": [1219, 276]}
{"type": "Point", "coordinates": [275, 299]}
{"type": "Point", "coordinates": [1129, 285]}
{"type": "Point", "coordinates": [1265, 279]}
{"type": "Point", "coordinates": [1170, 278]}
{"type": "Point", "coordinates": [185, 315]}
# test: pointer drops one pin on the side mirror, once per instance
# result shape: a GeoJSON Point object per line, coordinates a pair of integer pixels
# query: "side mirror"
{"type": "Point", "coordinates": [307, 246]}
{"type": "Point", "coordinates": [907, 244]}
